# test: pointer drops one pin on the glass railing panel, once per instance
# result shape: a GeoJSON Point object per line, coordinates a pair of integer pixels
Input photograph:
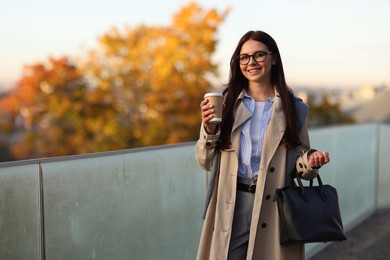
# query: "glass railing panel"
{"type": "Point", "coordinates": [20, 213]}
{"type": "Point", "coordinates": [142, 205]}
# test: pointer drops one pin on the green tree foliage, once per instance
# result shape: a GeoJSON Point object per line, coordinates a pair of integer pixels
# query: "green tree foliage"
{"type": "Point", "coordinates": [326, 113]}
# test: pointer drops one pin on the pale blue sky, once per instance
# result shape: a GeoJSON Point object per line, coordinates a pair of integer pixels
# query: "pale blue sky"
{"type": "Point", "coordinates": [335, 43]}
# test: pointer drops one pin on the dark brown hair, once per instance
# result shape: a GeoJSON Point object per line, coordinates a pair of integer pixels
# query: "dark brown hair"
{"type": "Point", "coordinates": [238, 82]}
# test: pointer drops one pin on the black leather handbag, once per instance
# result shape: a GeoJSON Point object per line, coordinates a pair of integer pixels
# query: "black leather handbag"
{"type": "Point", "coordinates": [309, 214]}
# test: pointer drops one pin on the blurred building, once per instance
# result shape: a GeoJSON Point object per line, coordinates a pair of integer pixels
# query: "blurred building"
{"type": "Point", "coordinates": [367, 104]}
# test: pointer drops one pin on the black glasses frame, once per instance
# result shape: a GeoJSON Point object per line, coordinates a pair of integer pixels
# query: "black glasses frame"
{"type": "Point", "coordinates": [258, 59]}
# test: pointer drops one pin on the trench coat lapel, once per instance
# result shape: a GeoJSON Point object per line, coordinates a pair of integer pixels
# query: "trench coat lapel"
{"type": "Point", "coordinates": [275, 131]}
{"type": "Point", "coordinates": [241, 115]}
{"type": "Point", "coordinates": [272, 138]}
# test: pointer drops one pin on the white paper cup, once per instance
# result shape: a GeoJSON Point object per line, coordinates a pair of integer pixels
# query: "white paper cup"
{"type": "Point", "coordinates": [215, 99]}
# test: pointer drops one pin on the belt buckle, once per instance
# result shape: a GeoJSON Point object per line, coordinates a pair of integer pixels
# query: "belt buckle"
{"type": "Point", "coordinates": [252, 188]}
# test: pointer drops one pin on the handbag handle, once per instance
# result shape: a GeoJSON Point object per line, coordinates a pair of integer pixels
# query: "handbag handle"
{"type": "Point", "coordinates": [321, 188]}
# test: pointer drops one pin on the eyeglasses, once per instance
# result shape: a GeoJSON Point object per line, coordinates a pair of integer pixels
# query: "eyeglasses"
{"type": "Point", "coordinates": [258, 56]}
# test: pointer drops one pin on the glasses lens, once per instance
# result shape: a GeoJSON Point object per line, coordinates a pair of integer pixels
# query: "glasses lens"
{"type": "Point", "coordinates": [259, 56]}
{"type": "Point", "coordinates": [243, 59]}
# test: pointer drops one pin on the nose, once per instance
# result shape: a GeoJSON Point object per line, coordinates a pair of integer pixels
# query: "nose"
{"type": "Point", "coordinates": [251, 59]}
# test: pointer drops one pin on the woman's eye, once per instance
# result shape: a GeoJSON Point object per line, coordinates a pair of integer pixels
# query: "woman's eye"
{"type": "Point", "coordinates": [244, 57]}
{"type": "Point", "coordinates": [259, 55]}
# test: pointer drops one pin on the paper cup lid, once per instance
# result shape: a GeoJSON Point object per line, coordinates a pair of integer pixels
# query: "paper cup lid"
{"type": "Point", "coordinates": [213, 94]}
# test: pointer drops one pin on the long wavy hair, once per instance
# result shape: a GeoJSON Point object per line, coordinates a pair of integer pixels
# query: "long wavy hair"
{"type": "Point", "coordinates": [238, 82]}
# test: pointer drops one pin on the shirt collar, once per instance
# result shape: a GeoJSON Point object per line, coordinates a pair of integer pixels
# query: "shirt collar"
{"type": "Point", "coordinates": [245, 95]}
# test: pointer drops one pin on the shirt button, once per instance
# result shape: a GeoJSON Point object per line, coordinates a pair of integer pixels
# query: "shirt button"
{"type": "Point", "coordinates": [264, 225]}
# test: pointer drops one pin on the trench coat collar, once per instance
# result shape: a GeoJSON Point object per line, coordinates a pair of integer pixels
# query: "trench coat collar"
{"type": "Point", "coordinates": [275, 129]}
{"type": "Point", "coordinates": [242, 113]}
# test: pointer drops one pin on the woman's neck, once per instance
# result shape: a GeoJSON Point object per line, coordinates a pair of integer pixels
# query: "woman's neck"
{"type": "Point", "coordinates": [260, 92]}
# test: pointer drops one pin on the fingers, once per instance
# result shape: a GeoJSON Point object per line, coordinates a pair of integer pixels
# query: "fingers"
{"type": "Point", "coordinates": [204, 106]}
{"type": "Point", "coordinates": [317, 159]}
{"type": "Point", "coordinates": [207, 111]}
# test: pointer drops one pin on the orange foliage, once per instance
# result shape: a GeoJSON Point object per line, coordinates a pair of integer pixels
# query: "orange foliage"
{"type": "Point", "coordinates": [141, 87]}
{"type": "Point", "coordinates": [157, 75]}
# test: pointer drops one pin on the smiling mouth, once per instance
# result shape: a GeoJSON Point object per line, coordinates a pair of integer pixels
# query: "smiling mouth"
{"type": "Point", "coordinates": [253, 70]}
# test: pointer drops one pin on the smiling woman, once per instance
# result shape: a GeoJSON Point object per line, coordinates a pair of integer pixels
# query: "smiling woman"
{"type": "Point", "coordinates": [262, 122]}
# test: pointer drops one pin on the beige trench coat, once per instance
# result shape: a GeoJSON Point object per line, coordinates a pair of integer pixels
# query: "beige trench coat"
{"type": "Point", "coordinates": [264, 231]}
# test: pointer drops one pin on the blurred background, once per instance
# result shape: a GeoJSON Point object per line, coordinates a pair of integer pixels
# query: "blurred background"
{"type": "Point", "coordinates": [92, 76]}
{"type": "Point", "coordinates": [82, 77]}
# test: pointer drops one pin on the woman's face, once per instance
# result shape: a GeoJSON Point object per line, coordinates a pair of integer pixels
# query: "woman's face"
{"type": "Point", "coordinates": [256, 71]}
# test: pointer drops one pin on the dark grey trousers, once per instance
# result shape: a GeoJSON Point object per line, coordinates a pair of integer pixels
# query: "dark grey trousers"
{"type": "Point", "coordinates": [241, 225]}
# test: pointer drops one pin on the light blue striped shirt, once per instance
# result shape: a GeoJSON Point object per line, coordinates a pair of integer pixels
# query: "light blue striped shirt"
{"type": "Point", "coordinates": [249, 161]}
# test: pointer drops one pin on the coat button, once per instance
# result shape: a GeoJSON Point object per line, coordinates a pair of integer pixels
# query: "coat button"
{"type": "Point", "coordinates": [208, 143]}
{"type": "Point", "coordinates": [264, 225]}
{"type": "Point", "coordinates": [272, 169]}
{"type": "Point", "coordinates": [267, 197]}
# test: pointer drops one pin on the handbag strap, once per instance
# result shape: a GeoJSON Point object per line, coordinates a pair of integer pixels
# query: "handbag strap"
{"type": "Point", "coordinates": [320, 185]}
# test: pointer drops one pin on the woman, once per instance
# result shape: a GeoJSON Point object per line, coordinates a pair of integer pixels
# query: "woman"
{"type": "Point", "coordinates": [247, 155]}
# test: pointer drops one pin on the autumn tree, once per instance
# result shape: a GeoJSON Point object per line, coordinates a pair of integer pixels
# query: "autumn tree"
{"type": "Point", "coordinates": [55, 113]}
{"type": "Point", "coordinates": [48, 97]}
{"type": "Point", "coordinates": [9, 112]}
{"type": "Point", "coordinates": [8, 116]}
{"type": "Point", "coordinates": [157, 75]}
{"type": "Point", "coordinates": [141, 87]}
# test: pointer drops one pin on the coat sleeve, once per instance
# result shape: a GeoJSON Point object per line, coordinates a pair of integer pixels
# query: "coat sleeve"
{"type": "Point", "coordinates": [205, 148]}
{"type": "Point", "coordinates": [302, 164]}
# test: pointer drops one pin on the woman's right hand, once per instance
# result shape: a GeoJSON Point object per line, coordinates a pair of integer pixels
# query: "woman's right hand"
{"type": "Point", "coordinates": [207, 114]}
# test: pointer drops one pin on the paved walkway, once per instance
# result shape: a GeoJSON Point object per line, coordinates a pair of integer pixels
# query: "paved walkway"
{"type": "Point", "coordinates": [370, 240]}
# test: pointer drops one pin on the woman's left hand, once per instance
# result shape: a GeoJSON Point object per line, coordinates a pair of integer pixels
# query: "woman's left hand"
{"type": "Point", "coordinates": [317, 159]}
